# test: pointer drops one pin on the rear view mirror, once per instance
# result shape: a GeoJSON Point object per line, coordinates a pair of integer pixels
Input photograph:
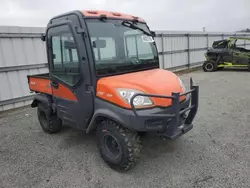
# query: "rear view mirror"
{"type": "Point", "coordinates": [69, 44]}
{"type": "Point", "coordinates": [99, 43]}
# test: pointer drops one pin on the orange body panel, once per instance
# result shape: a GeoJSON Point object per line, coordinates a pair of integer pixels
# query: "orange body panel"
{"type": "Point", "coordinates": [64, 92]}
{"type": "Point", "coordinates": [97, 13]}
{"type": "Point", "coordinates": [156, 81]}
{"type": "Point", "coordinates": [42, 85]}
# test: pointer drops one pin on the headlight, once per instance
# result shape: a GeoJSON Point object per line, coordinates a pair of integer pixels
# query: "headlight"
{"type": "Point", "coordinates": [127, 94]}
{"type": "Point", "coordinates": [182, 85]}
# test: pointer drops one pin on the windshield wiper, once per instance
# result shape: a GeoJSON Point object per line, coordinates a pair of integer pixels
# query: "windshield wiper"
{"type": "Point", "coordinates": [133, 26]}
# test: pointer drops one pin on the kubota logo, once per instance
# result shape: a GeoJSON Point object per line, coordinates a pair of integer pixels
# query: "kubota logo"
{"type": "Point", "coordinates": [103, 93]}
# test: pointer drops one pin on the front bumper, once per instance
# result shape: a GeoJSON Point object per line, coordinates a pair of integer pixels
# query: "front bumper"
{"type": "Point", "coordinates": [169, 122]}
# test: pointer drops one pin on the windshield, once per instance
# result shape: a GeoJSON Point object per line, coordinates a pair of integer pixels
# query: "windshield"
{"type": "Point", "coordinates": [121, 46]}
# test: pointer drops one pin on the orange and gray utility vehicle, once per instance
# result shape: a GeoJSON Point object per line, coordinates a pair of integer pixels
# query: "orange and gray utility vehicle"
{"type": "Point", "coordinates": [104, 76]}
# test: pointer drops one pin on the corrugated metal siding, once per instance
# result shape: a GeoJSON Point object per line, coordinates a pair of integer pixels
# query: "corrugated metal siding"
{"type": "Point", "coordinates": [175, 43]}
{"type": "Point", "coordinates": [15, 86]}
{"type": "Point", "coordinates": [23, 53]}
{"type": "Point", "coordinates": [198, 42]}
{"type": "Point", "coordinates": [197, 56]}
{"type": "Point", "coordinates": [174, 60]}
{"type": "Point", "coordinates": [19, 51]}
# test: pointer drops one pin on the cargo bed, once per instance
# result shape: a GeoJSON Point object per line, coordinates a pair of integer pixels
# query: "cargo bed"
{"type": "Point", "coordinates": [40, 83]}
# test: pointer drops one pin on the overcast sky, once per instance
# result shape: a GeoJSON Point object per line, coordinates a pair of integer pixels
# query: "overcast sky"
{"type": "Point", "coordinates": [215, 15]}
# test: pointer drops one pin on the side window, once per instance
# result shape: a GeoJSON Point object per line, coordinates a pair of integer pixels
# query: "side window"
{"type": "Point", "coordinates": [56, 48]}
{"type": "Point", "coordinates": [65, 62]}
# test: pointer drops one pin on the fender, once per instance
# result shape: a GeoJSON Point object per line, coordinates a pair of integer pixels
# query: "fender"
{"type": "Point", "coordinates": [106, 113]}
{"type": "Point", "coordinates": [46, 100]}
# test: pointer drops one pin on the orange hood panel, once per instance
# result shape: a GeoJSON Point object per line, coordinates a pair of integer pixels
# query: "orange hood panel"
{"type": "Point", "coordinates": [155, 81]}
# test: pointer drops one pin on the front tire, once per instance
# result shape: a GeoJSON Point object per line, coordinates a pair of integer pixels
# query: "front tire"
{"type": "Point", "coordinates": [49, 123]}
{"type": "Point", "coordinates": [119, 147]}
{"type": "Point", "coordinates": [209, 66]}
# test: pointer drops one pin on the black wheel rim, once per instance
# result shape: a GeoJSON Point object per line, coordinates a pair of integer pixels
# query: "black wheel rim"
{"type": "Point", "coordinates": [111, 146]}
{"type": "Point", "coordinates": [209, 66]}
{"type": "Point", "coordinates": [43, 119]}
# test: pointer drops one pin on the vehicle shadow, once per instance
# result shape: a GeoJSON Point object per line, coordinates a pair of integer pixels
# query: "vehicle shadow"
{"type": "Point", "coordinates": [233, 70]}
{"type": "Point", "coordinates": [72, 137]}
{"type": "Point", "coordinates": [153, 146]}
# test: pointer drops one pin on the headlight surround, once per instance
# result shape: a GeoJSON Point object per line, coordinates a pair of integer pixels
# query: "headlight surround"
{"type": "Point", "coordinates": [182, 85]}
{"type": "Point", "coordinates": [127, 94]}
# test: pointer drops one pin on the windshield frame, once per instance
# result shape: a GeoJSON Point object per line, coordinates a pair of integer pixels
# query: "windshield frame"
{"type": "Point", "coordinates": [157, 64]}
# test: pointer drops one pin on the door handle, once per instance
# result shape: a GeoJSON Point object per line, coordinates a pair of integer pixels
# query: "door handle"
{"type": "Point", "coordinates": [54, 84]}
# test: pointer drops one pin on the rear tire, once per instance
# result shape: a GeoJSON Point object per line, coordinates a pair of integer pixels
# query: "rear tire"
{"type": "Point", "coordinates": [209, 66]}
{"type": "Point", "coordinates": [49, 123]}
{"type": "Point", "coordinates": [119, 147]}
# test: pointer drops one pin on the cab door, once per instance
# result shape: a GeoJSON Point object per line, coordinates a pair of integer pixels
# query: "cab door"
{"type": "Point", "coordinates": [69, 72]}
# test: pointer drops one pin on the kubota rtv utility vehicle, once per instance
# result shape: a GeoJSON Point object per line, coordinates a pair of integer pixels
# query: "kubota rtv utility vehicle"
{"type": "Point", "coordinates": [104, 76]}
{"type": "Point", "coordinates": [228, 54]}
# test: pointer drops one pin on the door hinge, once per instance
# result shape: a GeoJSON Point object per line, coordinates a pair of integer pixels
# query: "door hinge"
{"type": "Point", "coordinates": [79, 30]}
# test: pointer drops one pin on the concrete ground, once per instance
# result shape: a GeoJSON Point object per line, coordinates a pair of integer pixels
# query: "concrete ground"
{"type": "Point", "coordinates": [216, 153]}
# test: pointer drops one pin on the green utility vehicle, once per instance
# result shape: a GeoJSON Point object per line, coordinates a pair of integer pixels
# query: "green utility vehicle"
{"type": "Point", "coordinates": [233, 52]}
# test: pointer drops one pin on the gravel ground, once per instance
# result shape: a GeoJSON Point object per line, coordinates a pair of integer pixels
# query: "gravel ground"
{"type": "Point", "coordinates": [214, 154]}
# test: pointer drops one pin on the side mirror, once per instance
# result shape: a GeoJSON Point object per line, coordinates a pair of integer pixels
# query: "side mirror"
{"type": "Point", "coordinates": [42, 37]}
{"type": "Point", "coordinates": [99, 43]}
{"type": "Point", "coordinates": [153, 33]}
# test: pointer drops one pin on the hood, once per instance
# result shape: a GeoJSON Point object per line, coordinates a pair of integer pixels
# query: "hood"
{"type": "Point", "coordinates": [156, 81]}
